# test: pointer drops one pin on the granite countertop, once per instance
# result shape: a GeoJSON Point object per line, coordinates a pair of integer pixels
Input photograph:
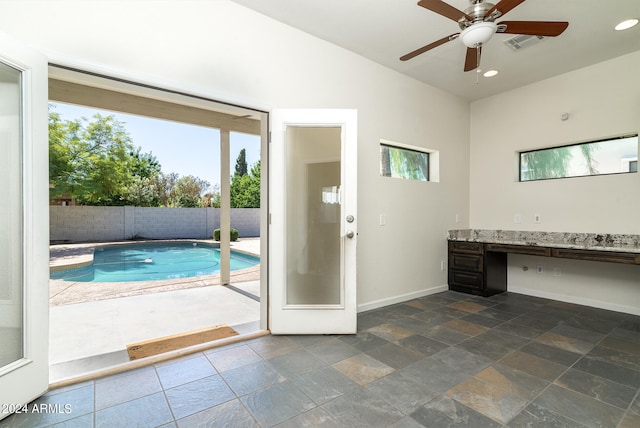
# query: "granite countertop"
{"type": "Point", "coordinates": [581, 241]}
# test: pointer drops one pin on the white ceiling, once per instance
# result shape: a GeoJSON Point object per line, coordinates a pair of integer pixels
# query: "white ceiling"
{"type": "Point", "coordinates": [384, 30]}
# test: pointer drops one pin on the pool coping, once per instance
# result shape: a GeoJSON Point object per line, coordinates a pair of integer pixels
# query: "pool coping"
{"type": "Point", "coordinates": [65, 256]}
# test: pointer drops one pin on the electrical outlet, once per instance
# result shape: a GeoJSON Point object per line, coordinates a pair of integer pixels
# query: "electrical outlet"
{"type": "Point", "coordinates": [537, 218]}
{"type": "Point", "coordinates": [457, 218]}
{"type": "Point", "coordinates": [557, 271]}
{"type": "Point", "coordinates": [442, 266]}
{"type": "Point", "coordinates": [383, 220]}
{"type": "Point", "coordinates": [539, 269]}
{"type": "Point", "coordinates": [517, 218]}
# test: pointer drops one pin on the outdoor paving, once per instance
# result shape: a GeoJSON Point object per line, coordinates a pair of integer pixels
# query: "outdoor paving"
{"type": "Point", "coordinates": [93, 328]}
{"type": "Point", "coordinates": [92, 323]}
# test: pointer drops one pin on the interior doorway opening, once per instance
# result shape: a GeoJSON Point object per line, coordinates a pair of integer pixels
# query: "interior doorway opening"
{"type": "Point", "coordinates": [230, 123]}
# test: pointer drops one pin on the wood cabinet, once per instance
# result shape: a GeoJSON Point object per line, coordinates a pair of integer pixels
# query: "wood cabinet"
{"type": "Point", "coordinates": [481, 267]}
{"type": "Point", "coordinates": [473, 270]}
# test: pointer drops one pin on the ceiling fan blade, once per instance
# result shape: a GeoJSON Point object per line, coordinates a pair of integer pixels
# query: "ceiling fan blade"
{"type": "Point", "coordinates": [472, 60]}
{"type": "Point", "coordinates": [428, 47]}
{"type": "Point", "coordinates": [504, 6]}
{"type": "Point", "coordinates": [534, 28]}
{"type": "Point", "coordinates": [444, 9]}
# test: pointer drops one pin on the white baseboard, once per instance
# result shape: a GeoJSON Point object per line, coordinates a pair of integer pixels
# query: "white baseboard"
{"type": "Point", "coordinates": [402, 298]}
{"type": "Point", "coordinates": [633, 310]}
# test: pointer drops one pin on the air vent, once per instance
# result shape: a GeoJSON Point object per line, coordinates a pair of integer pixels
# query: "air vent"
{"type": "Point", "coordinates": [522, 41]}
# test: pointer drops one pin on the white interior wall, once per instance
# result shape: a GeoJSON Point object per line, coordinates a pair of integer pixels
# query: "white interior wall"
{"type": "Point", "coordinates": [224, 51]}
{"type": "Point", "coordinates": [602, 101]}
{"type": "Point", "coordinates": [227, 52]}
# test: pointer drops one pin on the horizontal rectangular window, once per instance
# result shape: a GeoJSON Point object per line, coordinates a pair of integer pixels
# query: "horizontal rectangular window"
{"type": "Point", "coordinates": [612, 156]}
{"type": "Point", "coordinates": [401, 162]}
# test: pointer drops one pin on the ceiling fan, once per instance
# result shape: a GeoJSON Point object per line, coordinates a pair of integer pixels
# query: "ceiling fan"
{"type": "Point", "coordinates": [477, 25]}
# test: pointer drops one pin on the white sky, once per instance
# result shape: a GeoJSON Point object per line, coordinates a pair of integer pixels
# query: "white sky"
{"type": "Point", "coordinates": [181, 148]}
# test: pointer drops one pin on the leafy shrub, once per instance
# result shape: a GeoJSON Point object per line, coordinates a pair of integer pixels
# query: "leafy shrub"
{"type": "Point", "coordinates": [233, 234]}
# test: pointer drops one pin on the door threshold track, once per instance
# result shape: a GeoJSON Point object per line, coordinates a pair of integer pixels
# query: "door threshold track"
{"type": "Point", "coordinates": [243, 292]}
{"type": "Point", "coordinates": [90, 368]}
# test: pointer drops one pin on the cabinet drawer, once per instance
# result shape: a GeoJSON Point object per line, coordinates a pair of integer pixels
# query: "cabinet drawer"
{"type": "Point", "coordinates": [466, 279]}
{"type": "Point", "coordinates": [468, 262]}
{"type": "Point", "coordinates": [520, 249]}
{"type": "Point", "coordinates": [466, 247]}
{"type": "Point", "coordinates": [597, 256]}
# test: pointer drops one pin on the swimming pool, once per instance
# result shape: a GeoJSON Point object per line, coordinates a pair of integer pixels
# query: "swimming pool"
{"type": "Point", "coordinates": [150, 262]}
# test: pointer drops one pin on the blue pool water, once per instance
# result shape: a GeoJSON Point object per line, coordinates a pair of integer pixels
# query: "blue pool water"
{"type": "Point", "coordinates": [148, 262]}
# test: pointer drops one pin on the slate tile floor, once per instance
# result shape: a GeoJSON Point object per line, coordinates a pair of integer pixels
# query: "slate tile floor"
{"type": "Point", "coordinates": [449, 359]}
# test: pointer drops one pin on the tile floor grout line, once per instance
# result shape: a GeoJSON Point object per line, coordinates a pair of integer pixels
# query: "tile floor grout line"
{"type": "Point", "coordinates": [571, 367]}
{"type": "Point", "coordinates": [341, 409]}
{"type": "Point", "coordinates": [628, 410]}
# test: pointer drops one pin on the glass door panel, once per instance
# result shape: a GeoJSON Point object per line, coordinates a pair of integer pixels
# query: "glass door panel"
{"type": "Point", "coordinates": [11, 228]}
{"type": "Point", "coordinates": [313, 215]}
{"type": "Point", "coordinates": [313, 221]}
{"type": "Point", "coordinates": [24, 224]}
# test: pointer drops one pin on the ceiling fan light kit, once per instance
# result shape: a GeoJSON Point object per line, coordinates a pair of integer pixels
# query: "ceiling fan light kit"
{"type": "Point", "coordinates": [478, 34]}
{"type": "Point", "coordinates": [477, 25]}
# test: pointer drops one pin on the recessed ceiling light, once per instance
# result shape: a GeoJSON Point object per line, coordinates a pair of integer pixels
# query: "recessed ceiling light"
{"type": "Point", "coordinates": [625, 25]}
{"type": "Point", "coordinates": [490, 73]}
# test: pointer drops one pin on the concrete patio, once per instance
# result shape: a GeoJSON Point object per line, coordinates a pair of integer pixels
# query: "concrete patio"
{"type": "Point", "coordinates": [92, 323]}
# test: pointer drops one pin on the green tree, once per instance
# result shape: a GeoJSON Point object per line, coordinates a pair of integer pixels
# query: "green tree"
{"type": "Point", "coordinates": [385, 161]}
{"type": "Point", "coordinates": [587, 151]}
{"type": "Point", "coordinates": [409, 164]}
{"type": "Point", "coordinates": [144, 165]}
{"type": "Point", "coordinates": [405, 163]}
{"type": "Point", "coordinates": [245, 189]}
{"type": "Point", "coordinates": [241, 163]}
{"type": "Point", "coordinates": [95, 162]}
{"type": "Point", "coordinates": [545, 163]}
{"type": "Point", "coordinates": [188, 192]}
{"type": "Point", "coordinates": [60, 156]}
{"type": "Point", "coordinates": [90, 160]}
{"type": "Point", "coordinates": [212, 199]}
{"type": "Point", "coordinates": [165, 184]}
{"type": "Point", "coordinates": [142, 192]}
{"type": "Point", "coordinates": [558, 162]}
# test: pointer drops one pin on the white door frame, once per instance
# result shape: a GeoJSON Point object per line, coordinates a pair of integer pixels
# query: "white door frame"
{"type": "Point", "coordinates": [27, 378]}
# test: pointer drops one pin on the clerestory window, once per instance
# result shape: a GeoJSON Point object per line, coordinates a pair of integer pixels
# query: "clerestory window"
{"type": "Point", "coordinates": [602, 157]}
{"type": "Point", "coordinates": [403, 162]}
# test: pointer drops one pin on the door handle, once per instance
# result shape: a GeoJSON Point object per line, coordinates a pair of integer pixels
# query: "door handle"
{"type": "Point", "coordinates": [350, 234]}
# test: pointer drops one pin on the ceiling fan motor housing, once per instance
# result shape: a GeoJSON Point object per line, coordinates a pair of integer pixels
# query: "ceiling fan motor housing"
{"type": "Point", "coordinates": [477, 12]}
{"type": "Point", "coordinates": [481, 27]}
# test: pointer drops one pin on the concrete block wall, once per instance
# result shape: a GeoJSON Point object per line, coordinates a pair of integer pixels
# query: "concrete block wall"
{"type": "Point", "coordinates": [84, 224]}
{"type": "Point", "coordinates": [163, 223]}
{"type": "Point", "coordinates": [246, 220]}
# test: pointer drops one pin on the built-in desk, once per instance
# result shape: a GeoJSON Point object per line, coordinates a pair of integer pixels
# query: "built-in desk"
{"type": "Point", "coordinates": [478, 258]}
